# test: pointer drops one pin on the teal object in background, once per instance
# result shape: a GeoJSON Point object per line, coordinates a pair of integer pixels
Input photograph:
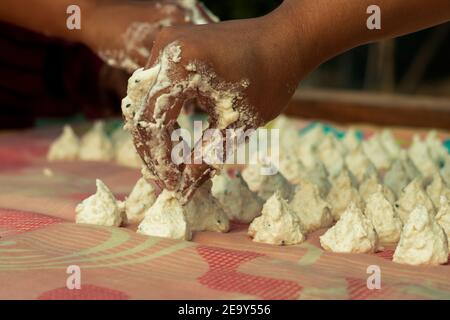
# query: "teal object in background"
{"type": "Point", "coordinates": [329, 129]}
{"type": "Point", "coordinates": [447, 145]}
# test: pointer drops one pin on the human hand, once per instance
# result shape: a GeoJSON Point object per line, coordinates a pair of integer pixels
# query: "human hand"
{"type": "Point", "coordinates": [122, 32]}
{"type": "Point", "coordinates": [241, 73]}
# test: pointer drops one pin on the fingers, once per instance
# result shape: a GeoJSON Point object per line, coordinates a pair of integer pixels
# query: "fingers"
{"type": "Point", "coordinates": [153, 136]}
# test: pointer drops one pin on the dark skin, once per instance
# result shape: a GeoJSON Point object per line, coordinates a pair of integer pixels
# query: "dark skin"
{"type": "Point", "coordinates": [103, 22]}
{"type": "Point", "coordinates": [274, 53]}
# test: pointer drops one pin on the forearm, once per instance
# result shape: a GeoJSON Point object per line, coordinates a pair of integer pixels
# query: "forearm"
{"type": "Point", "coordinates": [45, 16]}
{"type": "Point", "coordinates": [325, 28]}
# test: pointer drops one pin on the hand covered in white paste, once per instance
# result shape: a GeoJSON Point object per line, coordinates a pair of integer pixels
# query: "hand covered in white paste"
{"type": "Point", "coordinates": [123, 32]}
{"type": "Point", "coordinates": [231, 70]}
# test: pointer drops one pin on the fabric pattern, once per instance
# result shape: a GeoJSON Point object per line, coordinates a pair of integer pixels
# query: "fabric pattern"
{"type": "Point", "coordinates": [39, 241]}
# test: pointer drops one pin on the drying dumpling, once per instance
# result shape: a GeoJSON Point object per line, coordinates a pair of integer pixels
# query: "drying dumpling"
{"type": "Point", "coordinates": [390, 144]}
{"type": "Point", "coordinates": [95, 144]}
{"type": "Point", "coordinates": [412, 196]}
{"type": "Point", "coordinates": [353, 233]}
{"type": "Point", "coordinates": [357, 163]}
{"type": "Point", "coordinates": [420, 156]}
{"type": "Point", "coordinates": [376, 152]}
{"type": "Point", "coordinates": [351, 140]}
{"type": "Point", "coordinates": [265, 185]}
{"type": "Point", "coordinates": [204, 212]}
{"type": "Point", "coordinates": [342, 194]}
{"type": "Point", "coordinates": [384, 218]}
{"type": "Point", "coordinates": [435, 147]}
{"type": "Point", "coordinates": [396, 178]}
{"type": "Point", "coordinates": [236, 199]}
{"type": "Point", "coordinates": [126, 154]}
{"type": "Point", "coordinates": [66, 147]}
{"type": "Point", "coordinates": [423, 241]}
{"type": "Point", "coordinates": [166, 219]}
{"type": "Point", "coordinates": [330, 152]}
{"type": "Point", "coordinates": [100, 209]}
{"type": "Point", "coordinates": [278, 224]}
{"type": "Point", "coordinates": [437, 188]}
{"type": "Point", "coordinates": [141, 198]}
{"type": "Point", "coordinates": [443, 215]}
{"type": "Point", "coordinates": [313, 211]}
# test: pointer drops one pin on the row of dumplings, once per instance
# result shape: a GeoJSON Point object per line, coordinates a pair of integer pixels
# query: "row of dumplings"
{"type": "Point", "coordinates": [370, 188]}
{"type": "Point", "coordinates": [95, 145]}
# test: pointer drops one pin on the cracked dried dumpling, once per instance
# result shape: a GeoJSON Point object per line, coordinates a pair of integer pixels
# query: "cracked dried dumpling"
{"type": "Point", "coordinates": [351, 140]}
{"type": "Point", "coordinates": [66, 147]}
{"type": "Point", "coordinates": [95, 144]}
{"type": "Point", "coordinates": [412, 196]}
{"type": "Point", "coordinates": [423, 241]}
{"type": "Point", "coordinates": [278, 224]}
{"type": "Point", "coordinates": [126, 154]}
{"type": "Point", "coordinates": [435, 147]}
{"type": "Point", "coordinates": [166, 219]}
{"type": "Point", "coordinates": [396, 178]}
{"type": "Point", "coordinates": [342, 194]}
{"type": "Point", "coordinates": [141, 198]}
{"type": "Point", "coordinates": [443, 216]}
{"type": "Point", "coordinates": [237, 200]}
{"type": "Point", "coordinates": [313, 211]}
{"type": "Point", "coordinates": [437, 188]}
{"type": "Point", "coordinates": [204, 212]}
{"type": "Point", "coordinates": [376, 152]}
{"type": "Point", "coordinates": [420, 156]}
{"type": "Point", "coordinates": [265, 184]}
{"type": "Point", "coordinates": [100, 209]}
{"type": "Point", "coordinates": [384, 218]}
{"type": "Point", "coordinates": [353, 233]}
{"type": "Point", "coordinates": [357, 163]}
{"type": "Point", "coordinates": [330, 152]}
{"type": "Point", "coordinates": [390, 144]}
{"type": "Point", "coordinates": [371, 185]}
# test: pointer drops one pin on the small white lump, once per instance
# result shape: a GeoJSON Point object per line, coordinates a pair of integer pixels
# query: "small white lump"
{"type": "Point", "coordinates": [313, 211]}
{"type": "Point", "coordinates": [204, 212]}
{"type": "Point", "coordinates": [353, 233]}
{"type": "Point", "coordinates": [141, 198]}
{"type": "Point", "coordinates": [412, 196]}
{"type": "Point", "coordinates": [166, 219]}
{"type": "Point", "coordinates": [95, 144]}
{"type": "Point", "coordinates": [240, 204]}
{"type": "Point", "coordinates": [384, 218]}
{"type": "Point", "coordinates": [66, 147]}
{"type": "Point", "coordinates": [376, 152]}
{"type": "Point", "coordinates": [423, 241]}
{"type": "Point", "coordinates": [278, 224]}
{"type": "Point", "coordinates": [342, 194]}
{"type": "Point", "coordinates": [100, 209]}
{"type": "Point", "coordinates": [443, 216]}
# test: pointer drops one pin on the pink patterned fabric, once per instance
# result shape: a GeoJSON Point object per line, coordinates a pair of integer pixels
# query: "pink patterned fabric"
{"type": "Point", "coordinates": [38, 241]}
